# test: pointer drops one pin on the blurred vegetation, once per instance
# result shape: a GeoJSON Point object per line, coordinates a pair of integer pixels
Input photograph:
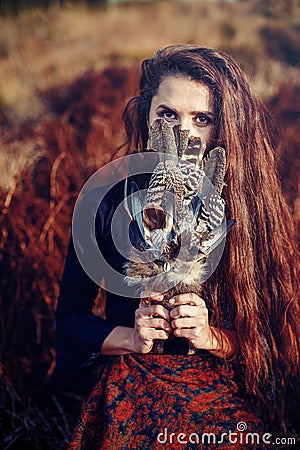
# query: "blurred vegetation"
{"type": "Point", "coordinates": [281, 43]}
{"type": "Point", "coordinates": [65, 75]}
{"type": "Point", "coordinates": [274, 8]}
{"type": "Point", "coordinates": [17, 6]}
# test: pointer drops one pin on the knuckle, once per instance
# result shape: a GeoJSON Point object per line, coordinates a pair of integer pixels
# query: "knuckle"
{"type": "Point", "coordinates": [143, 334]}
{"type": "Point", "coordinates": [198, 332]}
{"type": "Point", "coordinates": [162, 335]}
{"type": "Point", "coordinates": [155, 309]}
{"type": "Point", "coordinates": [178, 332]}
{"type": "Point", "coordinates": [159, 309]}
{"type": "Point", "coordinates": [179, 310]}
{"type": "Point", "coordinates": [161, 323]}
{"type": "Point", "coordinates": [202, 302]}
{"type": "Point", "coordinates": [138, 323]}
{"type": "Point", "coordinates": [139, 313]}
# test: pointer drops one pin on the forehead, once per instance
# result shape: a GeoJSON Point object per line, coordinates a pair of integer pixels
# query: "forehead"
{"type": "Point", "coordinates": [181, 92]}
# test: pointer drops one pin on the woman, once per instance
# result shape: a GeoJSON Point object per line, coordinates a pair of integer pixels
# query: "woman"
{"type": "Point", "coordinates": [245, 324]}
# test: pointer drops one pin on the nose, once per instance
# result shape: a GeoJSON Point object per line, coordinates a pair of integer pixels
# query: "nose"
{"type": "Point", "coordinates": [185, 123]}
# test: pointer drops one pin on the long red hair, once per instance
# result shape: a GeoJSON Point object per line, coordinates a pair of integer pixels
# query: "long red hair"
{"type": "Point", "coordinates": [256, 282]}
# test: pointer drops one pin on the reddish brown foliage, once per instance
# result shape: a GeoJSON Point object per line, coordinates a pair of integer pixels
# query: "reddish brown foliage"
{"type": "Point", "coordinates": [36, 218]}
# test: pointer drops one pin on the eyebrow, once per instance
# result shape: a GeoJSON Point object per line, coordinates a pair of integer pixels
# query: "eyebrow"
{"type": "Point", "coordinates": [209, 113]}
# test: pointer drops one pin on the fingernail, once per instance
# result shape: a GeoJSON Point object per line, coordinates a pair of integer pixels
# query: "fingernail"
{"type": "Point", "coordinates": [172, 301]}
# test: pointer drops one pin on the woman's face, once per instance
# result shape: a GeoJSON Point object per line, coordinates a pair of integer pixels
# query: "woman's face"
{"type": "Point", "coordinates": [189, 103]}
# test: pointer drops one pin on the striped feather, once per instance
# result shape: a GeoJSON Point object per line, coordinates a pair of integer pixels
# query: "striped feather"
{"type": "Point", "coordinates": [214, 167]}
{"type": "Point", "coordinates": [184, 215]}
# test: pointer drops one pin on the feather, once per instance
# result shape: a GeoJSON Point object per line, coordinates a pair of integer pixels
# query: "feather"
{"type": "Point", "coordinates": [161, 138]}
{"type": "Point", "coordinates": [193, 152]}
{"type": "Point", "coordinates": [136, 204]}
{"type": "Point", "coordinates": [154, 217]}
{"type": "Point", "coordinates": [215, 166]}
{"type": "Point", "coordinates": [215, 238]}
{"type": "Point", "coordinates": [183, 219]}
{"type": "Point", "coordinates": [181, 140]}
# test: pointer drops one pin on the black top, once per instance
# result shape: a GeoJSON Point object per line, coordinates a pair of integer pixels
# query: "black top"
{"type": "Point", "coordinates": [79, 333]}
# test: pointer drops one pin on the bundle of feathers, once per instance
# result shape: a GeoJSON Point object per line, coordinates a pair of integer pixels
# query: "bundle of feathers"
{"type": "Point", "coordinates": [176, 228]}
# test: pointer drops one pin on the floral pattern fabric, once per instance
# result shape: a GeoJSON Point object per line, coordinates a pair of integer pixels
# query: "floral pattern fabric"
{"type": "Point", "coordinates": [167, 402]}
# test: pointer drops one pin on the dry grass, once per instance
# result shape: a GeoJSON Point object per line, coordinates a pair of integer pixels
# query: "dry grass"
{"type": "Point", "coordinates": [35, 225]}
{"type": "Point", "coordinates": [39, 49]}
{"type": "Point", "coordinates": [65, 75]}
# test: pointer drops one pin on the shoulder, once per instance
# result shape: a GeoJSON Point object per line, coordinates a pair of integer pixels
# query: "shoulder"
{"type": "Point", "coordinates": [99, 199]}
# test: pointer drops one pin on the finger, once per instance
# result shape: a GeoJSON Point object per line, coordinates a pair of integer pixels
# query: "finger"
{"type": "Point", "coordinates": [159, 310]}
{"type": "Point", "coordinates": [183, 332]}
{"type": "Point", "coordinates": [144, 302]}
{"type": "Point", "coordinates": [148, 334]}
{"type": "Point", "coordinates": [152, 311]}
{"type": "Point", "coordinates": [188, 322]}
{"type": "Point", "coordinates": [152, 295]}
{"type": "Point", "coordinates": [188, 311]}
{"type": "Point", "coordinates": [189, 298]}
{"type": "Point", "coordinates": [189, 333]}
{"type": "Point", "coordinates": [157, 323]}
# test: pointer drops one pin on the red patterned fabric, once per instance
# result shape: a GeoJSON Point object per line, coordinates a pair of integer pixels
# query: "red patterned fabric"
{"type": "Point", "coordinates": [141, 400]}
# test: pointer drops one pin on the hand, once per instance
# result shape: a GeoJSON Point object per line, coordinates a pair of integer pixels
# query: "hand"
{"type": "Point", "coordinates": [151, 322]}
{"type": "Point", "coordinates": [189, 319]}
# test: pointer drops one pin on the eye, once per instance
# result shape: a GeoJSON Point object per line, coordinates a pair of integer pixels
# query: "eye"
{"type": "Point", "coordinates": [167, 114]}
{"type": "Point", "coordinates": [203, 120]}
